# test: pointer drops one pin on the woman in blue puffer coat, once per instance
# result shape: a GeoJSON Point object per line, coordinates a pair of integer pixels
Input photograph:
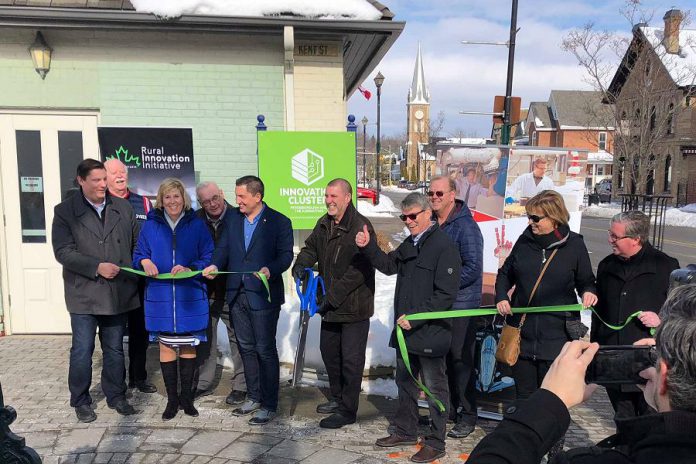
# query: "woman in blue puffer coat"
{"type": "Point", "coordinates": [174, 239]}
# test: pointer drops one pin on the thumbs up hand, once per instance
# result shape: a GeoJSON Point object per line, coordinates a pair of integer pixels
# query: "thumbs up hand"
{"type": "Point", "coordinates": [362, 238]}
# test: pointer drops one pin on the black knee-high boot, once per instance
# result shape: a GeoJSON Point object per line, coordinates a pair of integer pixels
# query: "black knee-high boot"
{"type": "Point", "coordinates": [187, 366]}
{"type": "Point", "coordinates": [171, 383]}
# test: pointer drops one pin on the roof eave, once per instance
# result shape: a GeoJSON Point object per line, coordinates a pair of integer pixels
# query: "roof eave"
{"type": "Point", "coordinates": [382, 33]}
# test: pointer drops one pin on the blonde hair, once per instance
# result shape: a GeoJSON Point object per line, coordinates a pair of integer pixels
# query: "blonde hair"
{"type": "Point", "coordinates": [168, 184]}
{"type": "Point", "coordinates": [551, 204]}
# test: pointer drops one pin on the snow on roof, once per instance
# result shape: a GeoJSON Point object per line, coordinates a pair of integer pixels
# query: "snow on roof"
{"type": "Point", "coordinates": [315, 9]}
{"type": "Point", "coordinates": [537, 122]}
{"type": "Point", "coordinates": [681, 66]}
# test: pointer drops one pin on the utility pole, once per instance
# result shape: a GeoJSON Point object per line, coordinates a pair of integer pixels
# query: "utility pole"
{"type": "Point", "coordinates": [505, 135]}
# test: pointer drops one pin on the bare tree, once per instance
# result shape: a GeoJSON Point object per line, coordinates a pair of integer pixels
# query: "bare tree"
{"type": "Point", "coordinates": [644, 96]}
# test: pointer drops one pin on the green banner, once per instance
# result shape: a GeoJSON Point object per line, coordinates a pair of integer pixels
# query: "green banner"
{"type": "Point", "coordinates": [296, 166]}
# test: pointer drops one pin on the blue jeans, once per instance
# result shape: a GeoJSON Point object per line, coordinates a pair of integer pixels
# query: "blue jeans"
{"type": "Point", "coordinates": [256, 337]}
{"type": "Point", "coordinates": [113, 375]}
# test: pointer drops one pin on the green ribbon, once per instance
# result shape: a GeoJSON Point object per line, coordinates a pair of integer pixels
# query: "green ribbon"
{"type": "Point", "coordinates": [189, 274]}
{"type": "Point", "coordinates": [427, 316]}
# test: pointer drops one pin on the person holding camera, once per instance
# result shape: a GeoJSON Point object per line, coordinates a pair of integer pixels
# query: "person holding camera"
{"type": "Point", "coordinates": [530, 428]}
{"type": "Point", "coordinates": [634, 277]}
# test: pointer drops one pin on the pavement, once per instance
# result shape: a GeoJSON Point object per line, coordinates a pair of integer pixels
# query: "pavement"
{"type": "Point", "coordinates": [33, 372]}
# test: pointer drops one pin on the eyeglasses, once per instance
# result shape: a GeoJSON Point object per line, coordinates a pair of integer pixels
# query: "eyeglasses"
{"type": "Point", "coordinates": [206, 203]}
{"type": "Point", "coordinates": [438, 193]}
{"type": "Point", "coordinates": [534, 218]}
{"type": "Point", "coordinates": [412, 216]}
{"type": "Point", "coordinates": [615, 238]}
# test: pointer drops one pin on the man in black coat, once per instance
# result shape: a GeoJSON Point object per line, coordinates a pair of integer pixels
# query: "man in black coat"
{"type": "Point", "coordinates": [214, 207]}
{"type": "Point", "coordinates": [635, 277]}
{"type": "Point", "coordinates": [428, 266]}
{"type": "Point", "coordinates": [93, 235]}
{"type": "Point", "coordinates": [531, 427]}
{"type": "Point", "coordinates": [349, 302]}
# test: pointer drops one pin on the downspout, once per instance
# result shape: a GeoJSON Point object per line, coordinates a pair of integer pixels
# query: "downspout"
{"type": "Point", "coordinates": [289, 74]}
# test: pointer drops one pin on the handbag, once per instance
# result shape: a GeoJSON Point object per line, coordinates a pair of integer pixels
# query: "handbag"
{"type": "Point", "coordinates": [510, 336]}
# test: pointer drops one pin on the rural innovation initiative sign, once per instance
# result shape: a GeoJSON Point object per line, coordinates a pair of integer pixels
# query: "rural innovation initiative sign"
{"type": "Point", "coordinates": [296, 166]}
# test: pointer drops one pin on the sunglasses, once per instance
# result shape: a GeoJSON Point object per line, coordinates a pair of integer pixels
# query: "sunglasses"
{"type": "Point", "coordinates": [438, 193]}
{"type": "Point", "coordinates": [616, 238]}
{"type": "Point", "coordinates": [412, 216]}
{"type": "Point", "coordinates": [534, 218]}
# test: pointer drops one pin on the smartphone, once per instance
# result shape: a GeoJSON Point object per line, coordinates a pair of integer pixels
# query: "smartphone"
{"type": "Point", "coordinates": [620, 364]}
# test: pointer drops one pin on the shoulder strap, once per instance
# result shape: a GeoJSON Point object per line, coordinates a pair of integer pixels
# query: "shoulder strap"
{"type": "Point", "coordinates": [536, 285]}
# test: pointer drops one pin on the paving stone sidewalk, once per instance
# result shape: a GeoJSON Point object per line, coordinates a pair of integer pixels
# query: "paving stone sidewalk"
{"type": "Point", "coordinates": [33, 372]}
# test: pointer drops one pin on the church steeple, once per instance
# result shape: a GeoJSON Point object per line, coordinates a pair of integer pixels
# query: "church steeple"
{"type": "Point", "coordinates": [418, 93]}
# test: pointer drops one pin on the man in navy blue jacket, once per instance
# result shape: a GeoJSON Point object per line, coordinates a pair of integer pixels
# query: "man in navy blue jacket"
{"type": "Point", "coordinates": [455, 218]}
{"type": "Point", "coordinates": [256, 238]}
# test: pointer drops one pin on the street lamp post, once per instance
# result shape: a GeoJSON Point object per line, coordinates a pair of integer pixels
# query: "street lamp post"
{"type": "Point", "coordinates": [364, 123]}
{"type": "Point", "coordinates": [379, 80]}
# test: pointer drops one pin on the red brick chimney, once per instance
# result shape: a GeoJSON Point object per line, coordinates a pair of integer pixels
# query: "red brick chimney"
{"type": "Point", "coordinates": [673, 19]}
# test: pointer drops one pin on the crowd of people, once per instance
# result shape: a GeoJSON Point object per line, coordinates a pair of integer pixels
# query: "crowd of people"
{"type": "Point", "coordinates": [218, 259]}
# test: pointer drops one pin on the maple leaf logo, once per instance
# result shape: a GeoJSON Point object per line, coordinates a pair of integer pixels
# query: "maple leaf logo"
{"type": "Point", "coordinates": [122, 155]}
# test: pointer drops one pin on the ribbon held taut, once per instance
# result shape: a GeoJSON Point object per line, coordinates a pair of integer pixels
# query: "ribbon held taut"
{"type": "Point", "coordinates": [189, 274]}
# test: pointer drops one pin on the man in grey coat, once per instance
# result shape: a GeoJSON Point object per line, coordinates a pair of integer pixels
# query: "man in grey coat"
{"type": "Point", "coordinates": [93, 236]}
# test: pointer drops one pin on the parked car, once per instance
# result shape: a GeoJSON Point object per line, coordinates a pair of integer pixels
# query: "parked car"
{"type": "Point", "coordinates": [603, 187]}
{"type": "Point", "coordinates": [411, 185]}
{"type": "Point", "coordinates": [402, 183]}
{"type": "Point", "coordinates": [371, 194]}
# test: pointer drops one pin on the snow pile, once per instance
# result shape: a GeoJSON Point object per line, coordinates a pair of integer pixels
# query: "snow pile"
{"type": "Point", "coordinates": [315, 9]}
{"type": "Point", "coordinates": [380, 387]}
{"type": "Point", "coordinates": [603, 210]}
{"type": "Point", "coordinates": [684, 217]}
{"type": "Point", "coordinates": [681, 218]}
{"type": "Point", "coordinates": [385, 208]}
{"type": "Point", "coordinates": [394, 188]}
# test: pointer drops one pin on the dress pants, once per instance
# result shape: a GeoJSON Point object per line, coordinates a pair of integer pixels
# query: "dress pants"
{"type": "Point", "coordinates": [528, 375]}
{"type": "Point", "coordinates": [113, 374]}
{"type": "Point", "coordinates": [256, 336]}
{"type": "Point", "coordinates": [460, 371]}
{"type": "Point", "coordinates": [138, 342]}
{"type": "Point", "coordinates": [342, 346]}
{"type": "Point", "coordinates": [206, 352]}
{"type": "Point", "coordinates": [432, 374]}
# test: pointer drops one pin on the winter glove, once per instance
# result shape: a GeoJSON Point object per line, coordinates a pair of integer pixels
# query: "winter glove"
{"type": "Point", "coordinates": [298, 272]}
{"type": "Point", "coordinates": [325, 307]}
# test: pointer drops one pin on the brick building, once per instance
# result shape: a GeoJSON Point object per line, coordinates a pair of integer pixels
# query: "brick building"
{"type": "Point", "coordinates": [575, 119]}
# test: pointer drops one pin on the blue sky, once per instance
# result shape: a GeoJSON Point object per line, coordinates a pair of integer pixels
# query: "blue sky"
{"type": "Point", "coordinates": [467, 77]}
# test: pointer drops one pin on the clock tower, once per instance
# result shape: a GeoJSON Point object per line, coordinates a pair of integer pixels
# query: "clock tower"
{"type": "Point", "coordinates": [417, 121]}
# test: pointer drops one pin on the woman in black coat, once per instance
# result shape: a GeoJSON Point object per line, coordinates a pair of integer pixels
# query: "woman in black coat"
{"type": "Point", "coordinates": [570, 271]}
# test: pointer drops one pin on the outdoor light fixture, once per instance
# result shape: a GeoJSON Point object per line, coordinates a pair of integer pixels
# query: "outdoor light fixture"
{"type": "Point", "coordinates": [379, 80]}
{"type": "Point", "coordinates": [41, 55]}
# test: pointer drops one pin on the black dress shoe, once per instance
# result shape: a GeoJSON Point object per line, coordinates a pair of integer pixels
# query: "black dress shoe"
{"type": "Point", "coordinates": [461, 430]}
{"type": "Point", "coordinates": [395, 440]}
{"type": "Point", "coordinates": [201, 393]}
{"type": "Point", "coordinates": [236, 397]}
{"type": "Point", "coordinates": [143, 386]}
{"type": "Point", "coordinates": [85, 413]}
{"type": "Point", "coordinates": [335, 421]}
{"type": "Point", "coordinates": [427, 454]}
{"type": "Point", "coordinates": [124, 408]}
{"type": "Point", "coordinates": [329, 407]}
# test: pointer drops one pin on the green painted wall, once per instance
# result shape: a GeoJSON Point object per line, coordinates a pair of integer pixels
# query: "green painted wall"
{"type": "Point", "coordinates": [219, 101]}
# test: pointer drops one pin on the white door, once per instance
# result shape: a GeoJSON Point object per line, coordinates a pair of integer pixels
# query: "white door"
{"type": "Point", "coordinates": [38, 157]}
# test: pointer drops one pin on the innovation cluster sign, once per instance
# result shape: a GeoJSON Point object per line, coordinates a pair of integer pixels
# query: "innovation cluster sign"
{"type": "Point", "coordinates": [296, 166]}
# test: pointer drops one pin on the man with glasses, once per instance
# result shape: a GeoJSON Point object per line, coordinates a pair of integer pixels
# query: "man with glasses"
{"type": "Point", "coordinates": [212, 212]}
{"type": "Point", "coordinates": [634, 277]}
{"type": "Point", "coordinates": [454, 217]}
{"type": "Point", "coordinates": [428, 268]}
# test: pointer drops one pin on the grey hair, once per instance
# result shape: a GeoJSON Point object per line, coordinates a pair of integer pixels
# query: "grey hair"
{"type": "Point", "coordinates": [637, 224]}
{"type": "Point", "coordinates": [415, 199]}
{"type": "Point", "coordinates": [205, 184]}
{"type": "Point", "coordinates": [452, 184]}
{"type": "Point", "coordinates": [111, 160]}
{"type": "Point", "coordinates": [676, 345]}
